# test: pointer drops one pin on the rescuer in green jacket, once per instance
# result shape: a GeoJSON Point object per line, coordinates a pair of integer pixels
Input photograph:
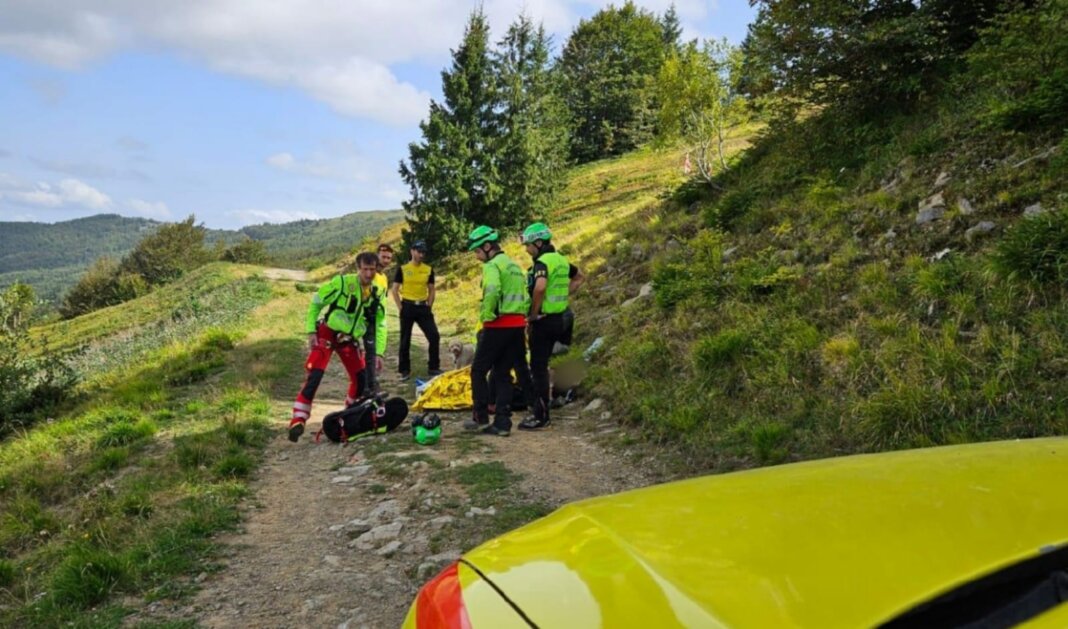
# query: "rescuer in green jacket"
{"type": "Point", "coordinates": [339, 314]}
{"type": "Point", "coordinates": [503, 313]}
{"type": "Point", "coordinates": [550, 281]}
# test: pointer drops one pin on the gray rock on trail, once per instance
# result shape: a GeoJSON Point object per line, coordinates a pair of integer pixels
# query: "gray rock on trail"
{"type": "Point", "coordinates": [594, 406]}
{"type": "Point", "coordinates": [383, 533]}
{"type": "Point", "coordinates": [473, 511]}
{"type": "Point", "coordinates": [979, 229]}
{"type": "Point", "coordinates": [964, 207]}
{"type": "Point", "coordinates": [389, 548]}
{"type": "Point", "coordinates": [341, 480]}
{"type": "Point", "coordinates": [942, 180]}
{"type": "Point", "coordinates": [356, 470]}
{"type": "Point", "coordinates": [1035, 209]}
{"type": "Point", "coordinates": [386, 510]}
{"type": "Point", "coordinates": [357, 527]}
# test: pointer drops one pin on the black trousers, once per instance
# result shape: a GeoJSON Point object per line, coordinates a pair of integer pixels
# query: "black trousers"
{"type": "Point", "coordinates": [498, 349]}
{"type": "Point", "coordinates": [544, 333]}
{"type": "Point", "coordinates": [523, 381]}
{"type": "Point", "coordinates": [415, 314]}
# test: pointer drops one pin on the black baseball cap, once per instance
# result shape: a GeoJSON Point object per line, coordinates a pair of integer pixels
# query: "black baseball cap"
{"type": "Point", "coordinates": [419, 245]}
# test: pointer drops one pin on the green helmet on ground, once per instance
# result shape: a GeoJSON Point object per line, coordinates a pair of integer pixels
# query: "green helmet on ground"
{"type": "Point", "coordinates": [480, 236]}
{"type": "Point", "coordinates": [426, 430]}
{"type": "Point", "coordinates": [536, 231]}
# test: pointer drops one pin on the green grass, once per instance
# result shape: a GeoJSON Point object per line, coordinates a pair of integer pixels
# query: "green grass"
{"type": "Point", "coordinates": [121, 494]}
{"type": "Point", "coordinates": [486, 482]}
{"type": "Point", "coordinates": [832, 327]}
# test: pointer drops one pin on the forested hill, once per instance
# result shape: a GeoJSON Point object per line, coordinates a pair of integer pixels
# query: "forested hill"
{"type": "Point", "coordinates": [301, 242]}
{"type": "Point", "coordinates": [50, 257]}
{"type": "Point", "coordinates": [29, 246]}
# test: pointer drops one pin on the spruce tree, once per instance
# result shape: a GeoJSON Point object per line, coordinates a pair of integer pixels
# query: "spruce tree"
{"type": "Point", "coordinates": [532, 125]}
{"type": "Point", "coordinates": [672, 29]}
{"type": "Point", "coordinates": [452, 173]}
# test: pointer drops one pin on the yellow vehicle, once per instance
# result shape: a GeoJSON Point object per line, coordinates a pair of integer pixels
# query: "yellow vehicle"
{"type": "Point", "coordinates": [940, 537]}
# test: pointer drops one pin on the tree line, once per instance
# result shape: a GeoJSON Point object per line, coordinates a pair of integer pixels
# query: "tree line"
{"type": "Point", "coordinates": [513, 117]}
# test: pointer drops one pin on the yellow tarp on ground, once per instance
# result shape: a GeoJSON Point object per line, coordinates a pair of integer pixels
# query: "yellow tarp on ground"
{"type": "Point", "coordinates": [451, 391]}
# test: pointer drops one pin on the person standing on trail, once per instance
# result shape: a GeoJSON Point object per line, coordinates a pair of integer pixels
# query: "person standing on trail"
{"type": "Point", "coordinates": [369, 376]}
{"type": "Point", "coordinates": [413, 292]}
{"type": "Point", "coordinates": [503, 312]}
{"type": "Point", "coordinates": [385, 260]}
{"type": "Point", "coordinates": [338, 316]}
{"type": "Point", "coordinates": [550, 281]}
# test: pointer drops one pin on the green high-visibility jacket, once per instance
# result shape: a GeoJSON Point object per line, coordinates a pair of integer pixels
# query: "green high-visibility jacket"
{"type": "Point", "coordinates": [347, 310]}
{"type": "Point", "coordinates": [504, 289]}
{"type": "Point", "coordinates": [556, 286]}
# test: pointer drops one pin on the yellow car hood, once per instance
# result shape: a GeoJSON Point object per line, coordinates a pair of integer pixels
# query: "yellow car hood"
{"type": "Point", "coordinates": [847, 542]}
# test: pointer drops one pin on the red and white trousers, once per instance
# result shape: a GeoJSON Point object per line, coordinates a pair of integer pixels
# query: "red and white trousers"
{"type": "Point", "coordinates": [326, 344]}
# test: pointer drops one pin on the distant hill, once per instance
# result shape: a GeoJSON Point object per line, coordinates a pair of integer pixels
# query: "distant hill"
{"type": "Point", "coordinates": [51, 257]}
{"type": "Point", "coordinates": [298, 243]}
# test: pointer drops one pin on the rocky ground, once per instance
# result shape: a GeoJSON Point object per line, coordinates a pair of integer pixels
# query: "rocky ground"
{"type": "Point", "coordinates": [344, 536]}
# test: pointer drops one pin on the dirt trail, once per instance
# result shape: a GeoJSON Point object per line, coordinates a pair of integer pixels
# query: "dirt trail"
{"type": "Point", "coordinates": [332, 537]}
{"type": "Point", "coordinates": [285, 274]}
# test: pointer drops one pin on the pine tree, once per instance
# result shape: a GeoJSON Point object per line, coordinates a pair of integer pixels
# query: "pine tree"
{"type": "Point", "coordinates": [672, 29]}
{"type": "Point", "coordinates": [452, 174]}
{"type": "Point", "coordinates": [532, 125]}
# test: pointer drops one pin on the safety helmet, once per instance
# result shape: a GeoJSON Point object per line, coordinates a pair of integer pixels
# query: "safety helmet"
{"type": "Point", "coordinates": [480, 236]}
{"type": "Point", "coordinates": [426, 429]}
{"type": "Point", "coordinates": [537, 231]}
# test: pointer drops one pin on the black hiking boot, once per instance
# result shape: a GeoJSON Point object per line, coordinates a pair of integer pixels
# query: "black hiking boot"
{"type": "Point", "coordinates": [296, 429]}
{"type": "Point", "coordinates": [493, 430]}
{"type": "Point", "coordinates": [474, 424]}
{"type": "Point", "coordinates": [531, 423]}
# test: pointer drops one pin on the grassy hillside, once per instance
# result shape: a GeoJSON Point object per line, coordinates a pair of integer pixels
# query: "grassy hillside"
{"type": "Point", "coordinates": [123, 491]}
{"type": "Point", "coordinates": [860, 281]}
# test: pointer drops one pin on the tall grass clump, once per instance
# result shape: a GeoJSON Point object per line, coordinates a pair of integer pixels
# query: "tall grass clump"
{"type": "Point", "coordinates": [1036, 249]}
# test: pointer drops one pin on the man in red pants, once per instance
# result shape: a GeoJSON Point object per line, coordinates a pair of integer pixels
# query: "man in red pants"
{"type": "Point", "coordinates": [338, 316]}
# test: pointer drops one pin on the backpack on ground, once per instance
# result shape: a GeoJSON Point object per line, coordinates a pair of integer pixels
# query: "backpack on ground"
{"type": "Point", "coordinates": [372, 416]}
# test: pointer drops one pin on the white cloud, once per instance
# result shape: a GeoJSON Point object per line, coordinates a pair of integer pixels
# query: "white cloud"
{"type": "Point", "coordinates": [57, 33]}
{"type": "Point", "coordinates": [68, 192]}
{"type": "Point", "coordinates": [340, 52]}
{"type": "Point", "coordinates": [158, 209]}
{"type": "Point", "coordinates": [250, 216]}
{"type": "Point", "coordinates": [341, 164]}
{"type": "Point", "coordinates": [80, 193]}
{"type": "Point", "coordinates": [282, 161]}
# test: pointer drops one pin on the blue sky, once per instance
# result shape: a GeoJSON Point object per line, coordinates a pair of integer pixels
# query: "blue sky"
{"type": "Point", "coordinates": [237, 111]}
